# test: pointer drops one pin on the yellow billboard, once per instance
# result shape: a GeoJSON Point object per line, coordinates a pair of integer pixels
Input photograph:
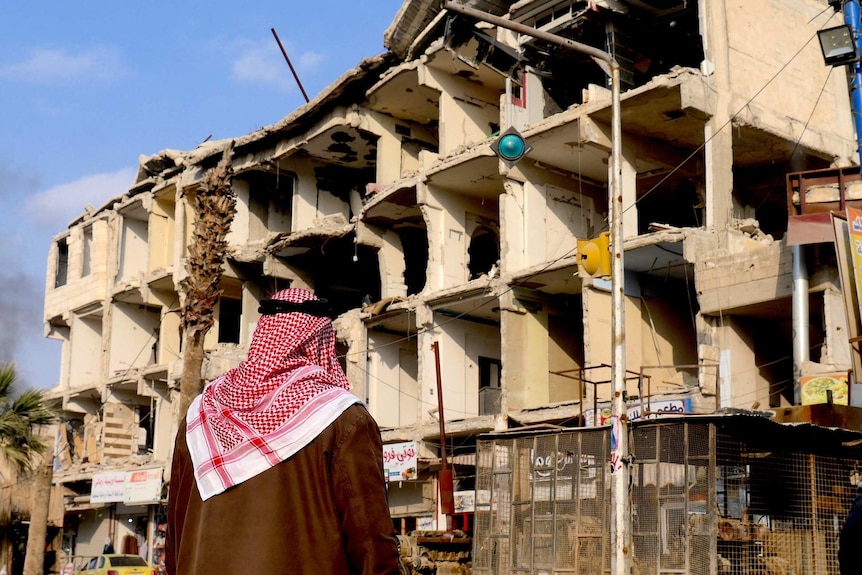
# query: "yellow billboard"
{"type": "Point", "coordinates": [854, 220]}
{"type": "Point", "coordinates": [815, 389]}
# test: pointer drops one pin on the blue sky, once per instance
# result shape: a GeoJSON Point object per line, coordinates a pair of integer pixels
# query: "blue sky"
{"type": "Point", "coordinates": [88, 87]}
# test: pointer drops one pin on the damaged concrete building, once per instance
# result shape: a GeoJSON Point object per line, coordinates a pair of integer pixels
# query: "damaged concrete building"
{"type": "Point", "coordinates": [455, 276]}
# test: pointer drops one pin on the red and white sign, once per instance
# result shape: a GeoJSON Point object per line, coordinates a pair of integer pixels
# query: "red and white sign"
{"type": "Point", "coordinates": [400, 461]}
{"type": "Point", "coordinates": [140, 486]}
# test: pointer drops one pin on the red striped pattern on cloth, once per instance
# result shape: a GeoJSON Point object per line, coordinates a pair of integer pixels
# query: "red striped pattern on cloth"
{"type": "Point", "coordinates": [288, 390]}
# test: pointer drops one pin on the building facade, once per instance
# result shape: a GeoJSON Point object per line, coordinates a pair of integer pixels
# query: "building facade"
{"type": "Point", "coordinates": [455, 276]}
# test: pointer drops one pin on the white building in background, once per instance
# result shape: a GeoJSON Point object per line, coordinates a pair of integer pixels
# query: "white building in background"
{"type": "Point", "coordinates": [383, 195]}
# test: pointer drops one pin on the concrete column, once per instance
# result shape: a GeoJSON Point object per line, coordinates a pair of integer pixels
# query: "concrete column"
{"type": "Point", "coordinates": [512, 227]}
{"type": "Point", "coordinates": [718, 153]}
{"type": "Point", "coordinates": [524, 329]}
{"type": "Point", "coordinates": [444, 213]}
{"type": "Point", "coordinates": [427, 368]}
{"type": "Point", "coordinates": [629, 188]}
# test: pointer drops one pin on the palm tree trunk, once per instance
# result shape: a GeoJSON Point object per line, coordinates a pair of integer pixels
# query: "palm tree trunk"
{"type": "Point", "coordinates": [191, 382]}
{"type": "Point", "coordinates": [215, 207]}
{"type": "Point", "coordinates": [34, 560]}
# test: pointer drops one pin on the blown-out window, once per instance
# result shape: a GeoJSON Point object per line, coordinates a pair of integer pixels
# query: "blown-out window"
{"type": "Point", "coordinates": [61, 274]}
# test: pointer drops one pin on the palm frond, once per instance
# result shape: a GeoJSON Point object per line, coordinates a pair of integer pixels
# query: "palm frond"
{"type": "Point", "coordinates": [31, 406]}
{"type": "Point", "coordinates": [8, 376]}
{"type": "Point", "coordinates": [19, 419]}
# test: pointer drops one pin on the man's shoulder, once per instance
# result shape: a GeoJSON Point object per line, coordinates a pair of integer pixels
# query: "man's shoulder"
{"type": "Point", "coordinates": [355, 414]}
{"type": "Point", "coordinates": [352, 419]}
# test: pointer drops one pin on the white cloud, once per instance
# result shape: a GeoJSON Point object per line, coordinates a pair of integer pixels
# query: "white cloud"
{"type": "Point", "coordinates": [59, 66]}
{"type": "Point", "coordinates": [260, 65]}
{"type": "Point", "coordinates": [263, 63]}
{"type": "Point", "coordinates": [311, 60]}
{"type": "Point", "coordinates": [58, 206]}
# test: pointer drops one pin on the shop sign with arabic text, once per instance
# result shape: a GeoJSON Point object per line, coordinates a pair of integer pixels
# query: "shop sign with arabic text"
{"type": "Point", "coordinates": [400, 460]}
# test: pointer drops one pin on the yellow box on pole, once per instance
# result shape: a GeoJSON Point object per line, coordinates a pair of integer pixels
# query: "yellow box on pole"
{"type": "Point", "coordinates": [594, 257]}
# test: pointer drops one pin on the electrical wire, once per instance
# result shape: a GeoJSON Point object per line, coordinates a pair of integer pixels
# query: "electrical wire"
{"type": "Point", "coordinates": [723, 126]}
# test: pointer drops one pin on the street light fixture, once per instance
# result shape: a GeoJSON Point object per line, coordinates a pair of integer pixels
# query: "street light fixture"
{"type": "Point", "coordinates": [511, 146]}
{"type": "Point", "coordinates": [837, 45]}
{"type": "Point", "coordinates": [841, 47]}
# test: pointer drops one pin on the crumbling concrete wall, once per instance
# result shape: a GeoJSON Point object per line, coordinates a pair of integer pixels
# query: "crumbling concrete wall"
{"type": "Point", "coordinates": [764, 37]}
{"type": "Point", "coordinates": [392, 370]}
{"type": "Point", "coordinates": [728, 280]}
{"type": "Point", "coordinates": [525, 348]}
{"type": "Point", "coordinates": [91, 239]}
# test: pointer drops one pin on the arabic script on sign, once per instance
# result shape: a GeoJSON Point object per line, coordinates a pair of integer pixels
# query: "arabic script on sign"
{"type": "Point", "coordinates": [400, 461]}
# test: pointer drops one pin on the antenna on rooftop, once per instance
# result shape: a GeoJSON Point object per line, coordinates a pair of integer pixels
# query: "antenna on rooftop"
{"type": "Point", "coordinates": [295, 77]}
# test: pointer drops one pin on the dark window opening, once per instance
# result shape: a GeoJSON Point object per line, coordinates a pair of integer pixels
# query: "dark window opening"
{"type": "Point", "coordinates": [405, 525]}
{"type": "Point", "coordinates": [676, 203]}
{"type": "Point", "coordinates": [341, 350]}
{"type": "Point", "coordinates": [764, 187]}
{"type": "Point", "coordinates": [342, 271]}
{"type": "Point", "coordinates": [768, 328]}
{"type": "Point", "coordinates": [489, 385]}
{"type": "Point", "coordinates": [270, 201]}
{"type": "Point", "coordinates": [489, 372]}
{"type": "Point", "coordinates": [645, 45]}
{"type": "Point", "coordinates": [88, 251]}
{"type": "Point", "coordinates": [341, 181]}
{"type": "Point", "coordinates": [414, 244]}
{"type": "Point", "coordinates": [147, 428]}
{"type": "Point", "coordinates": [484, 252]}
{"type": "Point", "coordinates": [412, 148]}
{"type": "Point", "coordinates": [271, 285]}
{"type": "Point", "coordinates": [230, 314]}
{"type": "Point", "coordinates": [62, 272]}
{"type": "Point", "coordinates": [154, 348]}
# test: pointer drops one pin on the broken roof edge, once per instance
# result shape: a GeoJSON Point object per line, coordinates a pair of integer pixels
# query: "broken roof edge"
{"type": "Point", "coordinates": [413, 22]}
{"type": "Point", "coordinates": [91, 213]}
{"type": "Point", "coordinates": [427, 38]}
{"type": "Point", "coordinates": [168, 162]}
{"type": "Point", "coordinates": [409, 22]}
{"type": "Point", "coordinates": [307, 112]}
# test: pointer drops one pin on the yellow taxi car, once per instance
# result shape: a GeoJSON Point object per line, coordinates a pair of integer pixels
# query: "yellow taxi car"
{"type": "Point", "coordinates": [117, 565]}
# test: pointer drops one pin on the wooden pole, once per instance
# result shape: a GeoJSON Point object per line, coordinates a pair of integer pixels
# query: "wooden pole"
{"type": "Point", "coordinates": [292, 71]}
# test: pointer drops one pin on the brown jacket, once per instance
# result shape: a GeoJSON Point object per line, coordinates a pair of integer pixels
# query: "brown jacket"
{"type": "Point", "coordinates": [321, 512]}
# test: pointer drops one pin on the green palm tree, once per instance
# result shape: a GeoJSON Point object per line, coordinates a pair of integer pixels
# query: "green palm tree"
{"type": "Point", "coordinates": [21, 415]}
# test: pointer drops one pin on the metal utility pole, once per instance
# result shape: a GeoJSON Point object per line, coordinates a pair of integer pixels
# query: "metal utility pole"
{"type": "Point", "coordinates": [292, 71]}
{"type": "Point", "coordinates": [852, 19]}
{"type": "Point", "coordinates": [621, 514]}
{"type": "Point", "coordinates": [444, 476]}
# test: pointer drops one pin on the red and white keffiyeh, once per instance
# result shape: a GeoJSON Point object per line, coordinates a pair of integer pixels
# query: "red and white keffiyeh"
{"type": "Point", "coordinates": [288, 390]}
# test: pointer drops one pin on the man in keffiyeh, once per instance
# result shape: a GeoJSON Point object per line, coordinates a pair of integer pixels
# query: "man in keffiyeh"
{"type": "Point", "coordinates": [278, 468]}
